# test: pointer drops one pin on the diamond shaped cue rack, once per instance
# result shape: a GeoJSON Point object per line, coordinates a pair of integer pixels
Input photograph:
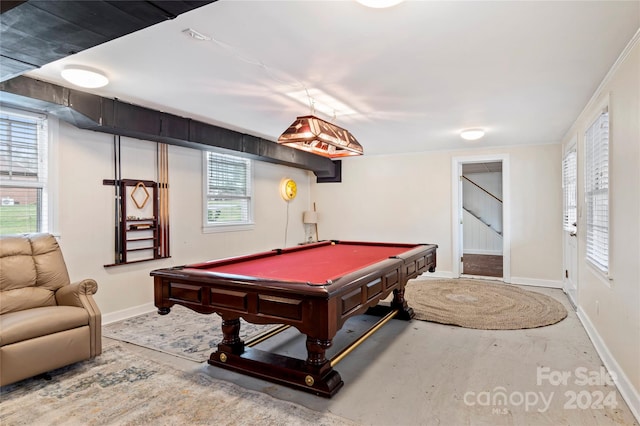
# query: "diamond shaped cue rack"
{"type": "Point", "coordinates": [141, 213]}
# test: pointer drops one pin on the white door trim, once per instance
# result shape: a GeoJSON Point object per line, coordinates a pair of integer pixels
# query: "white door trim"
{"type": "Point", "coordinates": [456, 210]}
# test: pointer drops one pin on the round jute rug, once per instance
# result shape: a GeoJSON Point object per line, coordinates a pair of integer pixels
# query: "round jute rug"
{"type": "Point", "coordinates": [481, 305]}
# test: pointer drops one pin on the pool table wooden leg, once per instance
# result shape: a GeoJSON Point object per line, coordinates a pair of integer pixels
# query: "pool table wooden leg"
{"type": "Point", "coordinates": [316, 349]}
{"type": "Point", "coordinates": [231, 336]}
{"type": "Point", "coordinates": [399, 302]}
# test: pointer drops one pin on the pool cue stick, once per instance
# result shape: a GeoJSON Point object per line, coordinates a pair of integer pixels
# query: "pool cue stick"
{"type": "Point", "coordinates": [165, 200]}
{"type": "Point", "coordinates": [162, 200]}
{"type": "Point", "coordinates": [166, 190]}
{"type": "Point", "coordinates": [160, 221]}
{"type": "Point", "coordinates": [346, 351]}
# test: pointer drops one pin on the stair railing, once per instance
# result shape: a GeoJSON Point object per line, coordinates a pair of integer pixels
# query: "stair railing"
{"type": "Point", "coordinates": [475, 184]}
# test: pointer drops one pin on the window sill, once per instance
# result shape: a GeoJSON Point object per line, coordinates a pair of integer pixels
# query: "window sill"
{"type": "Point", "coordinates": [211, 229]}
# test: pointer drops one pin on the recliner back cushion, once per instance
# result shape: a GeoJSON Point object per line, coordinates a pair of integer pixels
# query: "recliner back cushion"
{"type": "Point", "coordinates": [31, 270]}
{"type": "Point", "coordinates": [17, 268]}
{"type": "Point", "coordinates": [51, 271]}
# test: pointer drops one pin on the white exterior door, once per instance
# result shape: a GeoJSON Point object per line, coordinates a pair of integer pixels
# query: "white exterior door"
{"type": "Point", "coordinates": [570, 224]}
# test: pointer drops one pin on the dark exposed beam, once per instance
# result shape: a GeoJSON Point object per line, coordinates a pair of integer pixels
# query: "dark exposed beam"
{"type": "Point", "coordinates": [112, 116]}
{"type": "Point", "coordinates": [34, 33]}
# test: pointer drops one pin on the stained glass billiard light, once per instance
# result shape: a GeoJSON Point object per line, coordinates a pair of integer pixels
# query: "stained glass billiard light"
{"type": "Point", "coordinates": [313, 134]}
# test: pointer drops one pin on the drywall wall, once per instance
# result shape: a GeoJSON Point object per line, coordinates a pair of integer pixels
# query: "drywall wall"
{"type": "Point", "coordinates": [610, 305]}
{"type": "Point", "coordinates": [407, 198]}
{"type": "Point", "coordinates": [86, 212]}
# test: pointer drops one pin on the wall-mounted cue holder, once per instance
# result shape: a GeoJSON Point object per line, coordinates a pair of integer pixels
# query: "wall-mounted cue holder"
{"type": "Point", "coordinates": [140, 234]}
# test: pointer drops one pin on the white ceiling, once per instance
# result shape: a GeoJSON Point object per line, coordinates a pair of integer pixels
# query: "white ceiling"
{"type": "Point", "coordinates": [416, 74]}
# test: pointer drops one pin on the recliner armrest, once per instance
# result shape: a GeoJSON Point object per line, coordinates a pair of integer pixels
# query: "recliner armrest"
{"type": "Point", "coordinates": [70, 295]}
{"type": "Point", "coordinates": [80, 294]}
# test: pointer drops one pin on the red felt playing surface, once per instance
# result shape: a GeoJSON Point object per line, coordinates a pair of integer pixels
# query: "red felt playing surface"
{"type": "Point", "coordinates": [316, 265]}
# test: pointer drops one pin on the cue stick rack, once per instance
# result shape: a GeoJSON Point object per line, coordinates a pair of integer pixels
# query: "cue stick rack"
{"type": "Point", "coordinates": [137, 231]}
{"type": "Point", "coordinates": [142, 214]}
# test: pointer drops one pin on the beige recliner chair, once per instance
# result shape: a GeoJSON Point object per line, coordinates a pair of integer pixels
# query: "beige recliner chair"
{"type": "Point", "coordinates": [45, 322]}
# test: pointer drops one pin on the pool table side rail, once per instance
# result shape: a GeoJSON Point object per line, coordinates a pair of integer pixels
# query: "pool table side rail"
{"type": "Point", "coordinates": [202, 269]}
{"type": "Point", "coordinates": [308, 308]}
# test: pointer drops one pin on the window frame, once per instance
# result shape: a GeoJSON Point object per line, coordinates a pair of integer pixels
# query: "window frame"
{"type": "Point", "coordinates": [48, 182]}
{"type": "Point", "coordinates": [209, 227]}
{"type": "Point", "coordinates": [594, 189]}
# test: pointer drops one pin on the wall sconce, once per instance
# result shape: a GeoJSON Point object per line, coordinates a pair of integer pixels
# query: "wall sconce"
{"type": "Point", "coordinates": [310, 218]}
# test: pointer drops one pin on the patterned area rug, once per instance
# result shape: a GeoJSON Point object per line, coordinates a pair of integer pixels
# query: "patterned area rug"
{"type": "Point", "coordinates": [121, 388]}
{"type": "Point", "coordinates": [481, 305]}
{"type": "Point", "coordinates": [182, 332]}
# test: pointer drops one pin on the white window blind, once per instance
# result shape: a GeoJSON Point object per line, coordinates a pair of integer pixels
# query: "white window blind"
{"type": "Point", "coordinates": [23, 172]}
{"type": "Point", "coordinates": [570, 191]}
{"type": "Point", "coordinates": [228, 183]}
{"type": "Point", "coordinates": [597, 191]}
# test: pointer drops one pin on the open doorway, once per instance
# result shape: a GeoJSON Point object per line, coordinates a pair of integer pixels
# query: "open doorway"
{"type": "Point", "coordinates": [481, 217]}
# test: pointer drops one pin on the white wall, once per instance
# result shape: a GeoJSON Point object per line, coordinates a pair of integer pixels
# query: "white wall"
{"type": "Point", "coordinates": [86, 213]}
{"type": "Point", "coordinates": [610, 309]}
{"type": "Point", "coordinates": [479, 202]}
{"type": "Point", "coordinates": [478, 238]}
{"type": "Point", "coordinates": [407, 198]}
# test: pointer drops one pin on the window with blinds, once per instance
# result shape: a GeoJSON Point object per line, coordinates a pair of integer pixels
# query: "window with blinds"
{"type": "Point", "coordinates": [570, 191]}
{"type": "Point", "coordinates": [23, 172]}
{"type": "Point", "coordinates": [597, 191]}
{"type": "Point", "coordinates": [228, 190]}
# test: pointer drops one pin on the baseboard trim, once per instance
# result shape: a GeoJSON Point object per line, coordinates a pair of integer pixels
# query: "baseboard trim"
{"type": "Point", "coordinates": [483, 252]}
{"type": "Point", "coordinates": [535, 282]}
{"type": "Point", "coordinates": [436, 274]}
{"type": "Point", "coordinates": [128, 313]}
{"type": "Point", "coordinates": [630, 395]}
{"type": "Point", "coordinates": [482, 277]}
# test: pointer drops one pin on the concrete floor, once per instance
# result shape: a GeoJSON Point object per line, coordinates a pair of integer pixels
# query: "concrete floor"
{"type": "Point", "coordinates": [421, 373]}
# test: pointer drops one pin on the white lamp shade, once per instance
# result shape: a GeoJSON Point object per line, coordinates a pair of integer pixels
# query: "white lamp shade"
{"type": "Point", "coordinates": [310, 217]}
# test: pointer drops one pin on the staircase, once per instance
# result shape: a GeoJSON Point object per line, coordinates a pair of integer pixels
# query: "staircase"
{"type": "Point", "coordinates": [482, 218]}
{"type": "Point", "coordinates": [478, 218]}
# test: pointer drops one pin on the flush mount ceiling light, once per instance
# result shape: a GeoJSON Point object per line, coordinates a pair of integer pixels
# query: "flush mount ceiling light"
{"type": "Point", "coordinates": [472, 134]}
{"type": "Point", "coordinates": [379, 4]}
{"type": "Point", "coordinates": [84, 76]}
{"type": "Point", "coordinates": [312, 134]}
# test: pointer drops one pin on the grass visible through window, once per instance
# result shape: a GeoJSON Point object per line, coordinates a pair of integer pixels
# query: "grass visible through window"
{"type": "Point", "coordinates": [18, 218]}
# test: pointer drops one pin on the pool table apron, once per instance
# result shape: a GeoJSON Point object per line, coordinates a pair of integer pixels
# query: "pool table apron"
{"type": "Point", "coordinates": [316, 311]}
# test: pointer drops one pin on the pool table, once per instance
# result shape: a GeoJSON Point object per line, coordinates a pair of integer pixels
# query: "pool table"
{"type": "Point", "coordinates": [314, 288]}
